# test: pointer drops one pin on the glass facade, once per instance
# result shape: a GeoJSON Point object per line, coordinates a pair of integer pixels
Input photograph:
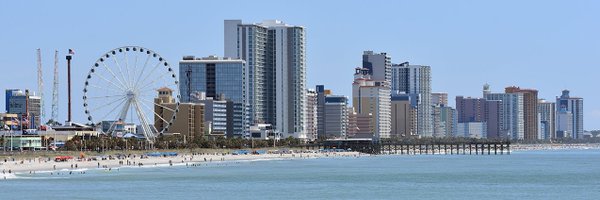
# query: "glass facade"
{"type": "Point", "coordinates": [226, 79]}
{"type": "Point", "coordinates": [216, 78]}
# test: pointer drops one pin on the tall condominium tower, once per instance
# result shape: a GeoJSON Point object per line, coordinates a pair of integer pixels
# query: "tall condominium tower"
{"type": "Point", "coordinates": [312, 117]}
{"type": "Point", "coordinates": [547, 112]}
{"type": "Point", "coordinates": [574, 105]}
{"type": "Point", "coordinates": [513, 116]}
{"type": "Point", "coordinates": [320, 90]}
{"type": "Point", "coordinates": [249, 42]}
{"type": "Point", "coordinates": [372, 97]}
{"type": "Point", "coordinates": [275, 55]}
{"type": "Point", "coordinates": [530, 110]}
{"type": "Point", "coordinates": [415, 80]}
{"type": "Point", "coordinates": [216, 77]}
{"type": "Point", "coordinates": [336, 116]}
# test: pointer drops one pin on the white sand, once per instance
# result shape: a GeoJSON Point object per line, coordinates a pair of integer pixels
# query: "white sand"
{"type": "Point", "coordinates": [38, 165]}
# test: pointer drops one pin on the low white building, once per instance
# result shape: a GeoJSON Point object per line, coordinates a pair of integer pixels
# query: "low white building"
{"type": "Point", "coordinates": [263, 132]}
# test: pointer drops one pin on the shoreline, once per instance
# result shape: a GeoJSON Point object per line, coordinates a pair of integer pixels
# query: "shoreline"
{"type": "Point", "coordinates": [11, 169]}
{"type": "Point", "coordinates": [546, 147]}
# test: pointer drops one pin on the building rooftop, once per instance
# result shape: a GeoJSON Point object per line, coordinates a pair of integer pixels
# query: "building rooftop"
{"type": "Point", "coordinates": [210, 59]}
{"type": "Point", "coordinates": [164, 89]}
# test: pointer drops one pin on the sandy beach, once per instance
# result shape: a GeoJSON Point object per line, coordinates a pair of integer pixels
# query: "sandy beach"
{"type": "Point", "coordinates": [11, 166]}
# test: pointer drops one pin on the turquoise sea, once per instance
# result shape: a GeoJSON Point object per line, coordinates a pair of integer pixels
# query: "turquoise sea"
{"type": "Point", "coordinates": [573, 174]}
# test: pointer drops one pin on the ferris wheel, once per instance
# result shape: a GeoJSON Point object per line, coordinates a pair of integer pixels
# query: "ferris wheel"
{"type": "Point", "coordinates": [122, 88]}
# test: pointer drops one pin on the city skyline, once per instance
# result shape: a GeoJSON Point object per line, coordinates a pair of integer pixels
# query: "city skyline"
{"type": "Point", "coordinates": [540, 46]}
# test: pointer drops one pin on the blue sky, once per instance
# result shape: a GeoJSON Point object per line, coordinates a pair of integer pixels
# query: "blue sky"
{"type": "Point", "coordinates": [547, 45]}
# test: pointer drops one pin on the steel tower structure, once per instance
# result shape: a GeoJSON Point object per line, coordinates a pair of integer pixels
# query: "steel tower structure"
{"type": "Point", "coordinates": [55, 89]}
{"type": "Point", "coordinates": [40, 85]}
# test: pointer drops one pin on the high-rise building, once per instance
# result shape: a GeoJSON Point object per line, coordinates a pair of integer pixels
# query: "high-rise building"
{"type": "Point", "coordinates": [443, 116]}
{"type": "Point", "coordinates": [574, 105]}
{"type": "Point", "coordinates": [332, 114]}
{"type": "Point", "coordinates": [404, 116]}
{"type": "Point", "coordinates": [564, 123]}
{"type": "Point", "coordinates": [336, 116]}
{"type": "Point", "coordinates": [547, 112]}
{"type": "Point", "coordinates": [189, 120]}
{"type": "Point", "coordinates": [494, 122]}
{"type": "Point", "coordinates": [530, 110]}
{"type": "Point", "coordinates": [481, 110]}
{"type": "Point", "coordinates": [249, 43]}
{"type": "Point", "coordinates": [512, 113]}
{"type": "Point", "coordinates": [27, 106]}
{"type": "Point", "coordinates": [320, 90]}
{"type": "Point", "coordinates": [439, 98]}
{"type": "Point", "coordinates": [379, 66]}
{"type": "Point", "coordinates": [311, 115]}
{"type": "Point", "coordinates": [217, 78]}
{"type": "Point", "coordinates": [275, 54]}
{"type": "Point", "coordinates": [444, 121]}
{"type": "Point", "coordinates": [416, 80]}
{"type": "Point", "coordinates": [372, 97]}
{"type": "Point", "coordinates": [470, 109]}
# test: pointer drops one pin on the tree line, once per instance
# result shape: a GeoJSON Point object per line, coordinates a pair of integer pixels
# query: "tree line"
{"type": "Point", "coordinates": [165, 142]}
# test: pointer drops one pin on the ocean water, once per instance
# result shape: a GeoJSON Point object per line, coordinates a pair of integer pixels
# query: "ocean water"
{"type": "Point", "coordinates": [522, 175]}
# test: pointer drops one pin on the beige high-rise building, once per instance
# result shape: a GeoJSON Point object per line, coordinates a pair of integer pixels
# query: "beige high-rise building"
{"type": "Point", "coordinates": [189, 120]}
{"type": "Point", "coordinates": [404, 117]}
{"type": "Point", "coordinates": [372, 97]}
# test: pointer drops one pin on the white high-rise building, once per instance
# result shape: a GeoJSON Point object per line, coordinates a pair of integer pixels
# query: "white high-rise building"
{"type": "Point", "coordinates": [248, 42]}
{"type": "Point", "coordinates": [415, 80]}
{"type": "Point", "coordinates": [547, 112]}
{"type": "Point", "coordinates": [311, 115]}
{"type": "Point", "coordinates": [564, 124]}
{"type": "Point", "coordinates": [276, 63]}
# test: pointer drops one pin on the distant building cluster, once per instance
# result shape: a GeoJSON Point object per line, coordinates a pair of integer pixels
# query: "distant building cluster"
{"type": "Point", "coordinates": [23, 110]}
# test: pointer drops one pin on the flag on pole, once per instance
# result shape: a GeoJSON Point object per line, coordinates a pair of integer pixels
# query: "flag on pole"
{"type": "Point", "coordinates": [71, 52]}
